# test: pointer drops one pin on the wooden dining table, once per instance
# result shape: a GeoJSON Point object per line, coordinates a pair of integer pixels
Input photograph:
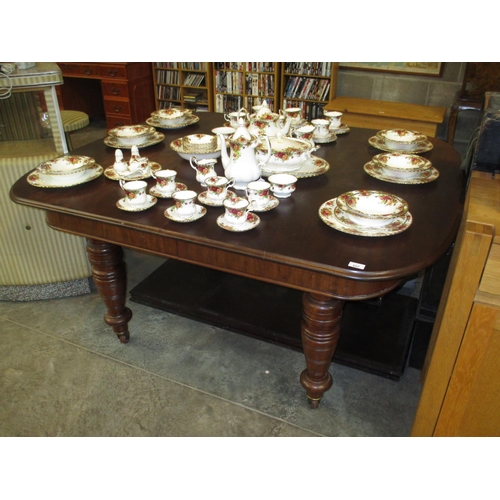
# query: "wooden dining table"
{"type": "Point", "coordinates": [291, 246]}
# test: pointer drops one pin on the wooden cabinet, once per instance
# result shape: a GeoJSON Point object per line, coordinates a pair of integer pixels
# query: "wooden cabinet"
{"type": "Point", "coordinates": [121, 92]}
{"type": "Point", "coordinates": [309, 86]}
{"type": "Point", "coordinates": [183, 84]}
{"type": "Point", "coordinates": [245, 84]}
{"type": "Point", "coordinates": [461, 376]}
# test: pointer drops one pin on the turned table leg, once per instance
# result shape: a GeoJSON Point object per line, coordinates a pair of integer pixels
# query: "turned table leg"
{"type": "Point", "coordinates": [321, 318]}
{"type": "Point", "coordinates": [108, 271]}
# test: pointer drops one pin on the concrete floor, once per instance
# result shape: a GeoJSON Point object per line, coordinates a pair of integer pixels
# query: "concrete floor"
{"type": "Point", "coordinates": [64, 373]}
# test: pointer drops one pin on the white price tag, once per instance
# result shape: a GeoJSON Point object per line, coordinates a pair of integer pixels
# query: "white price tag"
{"type": "Point", "coordinates": [356, 265]}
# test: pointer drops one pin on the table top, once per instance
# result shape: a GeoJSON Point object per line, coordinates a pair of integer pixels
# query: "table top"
{"type": "Point", "coordinates": [301, 249]}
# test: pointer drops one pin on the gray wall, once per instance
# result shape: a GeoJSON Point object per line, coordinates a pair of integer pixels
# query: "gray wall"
{"type": "Point", "coordinates": [425, 90]}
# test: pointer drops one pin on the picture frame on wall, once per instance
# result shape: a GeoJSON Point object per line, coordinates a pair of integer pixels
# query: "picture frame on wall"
{"type": "Point", "coordinates": [410, 68]}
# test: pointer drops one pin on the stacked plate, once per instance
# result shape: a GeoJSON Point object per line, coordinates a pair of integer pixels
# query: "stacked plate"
{"type": "Point", "coordinates": [127, 136]}
{"type": "Point", "coordinates": [65, 171]}
{"type": "Point", "coordinates": [201, 146]}
{"type": "Point", "coordinates": [367, 213]}
{"type": "Point", "coordinates": [401, 141]}
{"type": "Point", "coordinates": [172, 118]}
{"type": "Point", "coordinates": [401, 168]}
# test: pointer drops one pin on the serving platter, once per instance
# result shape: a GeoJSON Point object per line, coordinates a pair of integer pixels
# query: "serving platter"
{"type": "Point", "coordinates": [312, 167]}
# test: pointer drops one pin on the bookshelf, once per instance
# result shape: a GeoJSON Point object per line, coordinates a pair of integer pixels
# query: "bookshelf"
{"type": "Point", "coordinates": [309, 86]}
{"type": "Point", "coordinates": [245, 84]}
{"type": "Point", "coordinates": [184, 84]}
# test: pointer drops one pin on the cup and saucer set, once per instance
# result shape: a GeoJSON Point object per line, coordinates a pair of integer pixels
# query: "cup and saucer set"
{"type": "Point", "coordinates": [126, 136]}
{"type": "Point", "coordinates": [136, 199]}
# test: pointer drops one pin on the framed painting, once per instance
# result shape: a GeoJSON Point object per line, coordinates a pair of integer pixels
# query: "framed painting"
{"type": "Point", "coordinates": [411, 68]}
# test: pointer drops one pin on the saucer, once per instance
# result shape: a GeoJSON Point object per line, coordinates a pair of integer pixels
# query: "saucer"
{"type": "Point", "coordinates": [272, 203]}
{"type": "Point", "coordinates": [312, 167]}
{"type": "Point", "coordinates": [50, 181]}
{"type": "Point", "coordinates": [332, 216]}
{"type": "Point", "coordinates": [251, 222]}
{"type": "Point", "coordinates": [170, 213]}
{"type": "Point", "coordinates": [428, 175]}
{"type": "Point", "coordinates": [203, 198]}
{"type": "Point", "coordinates": [152, 140]}
{"type": "Point", "coordinates": [343, 129]}
{"type": "Point", "coordinates": [189, 121]}
{"type": "Point", "coordinates": [420, 147]}
{"type": "Point", "coordinates": [124, 205]}
{"type": "Point", "coordinates": [331, 137]}
{"type": "Point", "coordinates": [179, 186]}
{"type": "Point", "coordinates": [110, 173]}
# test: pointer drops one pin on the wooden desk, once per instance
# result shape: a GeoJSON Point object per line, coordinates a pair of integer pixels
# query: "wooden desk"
{"type": "Point", "coordinates": [373, 114]}
{"type": "Point", "coordinates": [122, 92]}
{"type": "Point", "coordinates": [291, 247]}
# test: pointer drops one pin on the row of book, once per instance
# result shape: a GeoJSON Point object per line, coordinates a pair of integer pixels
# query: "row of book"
{"type": "Point", "coordinates": [194, 79]}
{"type": "Point", "coordinates": [228, 103]}
{"type": "Point", "coordinates": [229, 82]}
{"type": "Point", "coordinates": [173, 93]}
{"type": "Point", "coordinates": [260, 84]}
{"type": "Point", "coordinates": [245, 66]}
{"type": "Point", "coordinates": [198, 66]}
{"type": "Point", "coordinates": [170, 65]}
{"type": "Point", "coordinates": [309, 68]}
{"type": "Point", "coordinates": [310, 110]}
{"type": "Point", "coordinates": [167, 77]}
{"type": "Point", "coordinates": [314, 89]}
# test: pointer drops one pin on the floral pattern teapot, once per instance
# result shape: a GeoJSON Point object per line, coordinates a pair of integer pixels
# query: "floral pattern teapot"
{"type": "Point", "coordinates": [265, 122]}
{"type": "Point", "coordinates": [241, 164]}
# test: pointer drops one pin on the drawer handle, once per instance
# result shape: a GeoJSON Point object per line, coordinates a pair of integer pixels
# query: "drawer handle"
{"type": "Point", "coordinates": [115, 91]}
{"type": "Point", "coordinates": [117, 109]}
{"type": "Point", "coordinates": [88, 71]}
{"type": "Point", "coordinates": [112, 72]}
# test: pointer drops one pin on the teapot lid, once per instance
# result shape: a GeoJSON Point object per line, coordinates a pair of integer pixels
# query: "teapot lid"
{"type": "Point", "coordinates": [242, 130]}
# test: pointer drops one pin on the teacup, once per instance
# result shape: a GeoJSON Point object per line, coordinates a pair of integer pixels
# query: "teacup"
{"type": "Point", "coordinates": [135, 192]}
{"type": "Point", "coordinates": [217, 187]}
{"type": "Point", "coordinates": [305, 132]}
{"type": "Point", "coordinates": [283, 185]}
{"type": "Point", "coordinates": [294, 113]}
{"type": "Point", "coordinates": [237, 209]}
{"type": "Point", "coordinates": [184, 202]}
{"type": "Point", "coordinates": [321, 126]}
{"type": "Point", "coordinates": [258, 192]}
{"type": "Point", "coordinates": [234, 118]}
{"type": "Point", "coordinates": [204, 168]}
{"type": "Point", "coordinates": [165, 180]}
{"type": "Point", "coordinates": [335, 118]}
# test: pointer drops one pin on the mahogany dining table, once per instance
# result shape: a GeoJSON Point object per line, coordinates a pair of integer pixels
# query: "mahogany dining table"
{"type": "Point", "coordinates": [292, 246]}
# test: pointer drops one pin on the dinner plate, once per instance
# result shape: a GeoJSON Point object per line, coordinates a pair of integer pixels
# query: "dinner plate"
{"type": "Point", "coordinates": [110, 173]}
{"type": "Point", "coordinates": [379, 143]}
{"type": "Point", "coordinates": [189, 121]}
{"type": "Point", "coordinates": [313, 167]}
{"type": "Point", "coordinates": [49, 181]}
{"type": "Point", "coordinates": [332, 216]}
{"type": "Point", "coordinates": [428, 175]}
{"type": "Point", "coordinates": [155, 138]}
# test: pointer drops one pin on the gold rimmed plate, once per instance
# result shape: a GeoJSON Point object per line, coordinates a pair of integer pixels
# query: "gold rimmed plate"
{"type": "Point", "coordinates": [377, 171]}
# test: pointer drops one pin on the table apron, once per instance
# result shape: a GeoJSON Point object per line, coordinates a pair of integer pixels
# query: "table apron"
{"type": "Point", "coordinates": [255, 267]}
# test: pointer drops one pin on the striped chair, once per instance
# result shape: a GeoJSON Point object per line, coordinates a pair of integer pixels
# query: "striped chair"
{"type": "Point", "coordinates": [73, 120]}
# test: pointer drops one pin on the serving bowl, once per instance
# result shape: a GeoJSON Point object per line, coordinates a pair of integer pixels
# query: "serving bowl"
{"type": "Point", "coordinates": [171, 116]}
{"type": "Point", "coordinates": [402, 165]}
{"type": "Point", "coordinates": [287, 153]}
{"type": "Point", "coordinates": [66, 168]}
{"type": "Point", "coordinates": [372, 208]}
{"type": "Point", "coordinates": [401, 139]}
{"type": "Point", "coordinates": [131, 135]}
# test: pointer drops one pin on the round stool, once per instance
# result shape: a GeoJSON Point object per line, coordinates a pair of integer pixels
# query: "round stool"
{"type": "Point", "coordinates": [73, 120]}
